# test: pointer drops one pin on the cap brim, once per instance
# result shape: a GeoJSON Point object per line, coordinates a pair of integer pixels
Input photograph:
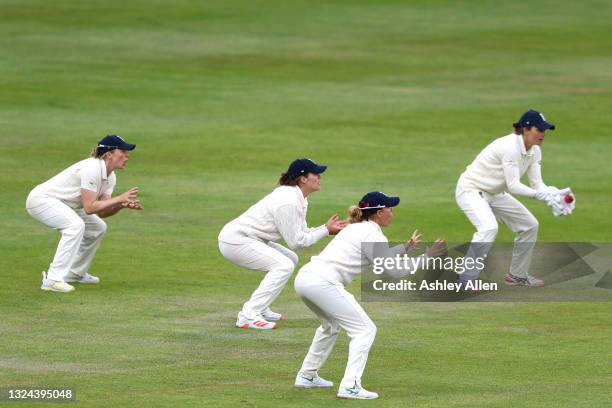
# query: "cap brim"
{"type": "Point", "coordinates": [318, 169]}
{"type": "Point", "coordinates": [127, 146]}
{"type": "Point", "coordinates": [546, 126]}
{"type": "Point", "coordinates": [392, 201]}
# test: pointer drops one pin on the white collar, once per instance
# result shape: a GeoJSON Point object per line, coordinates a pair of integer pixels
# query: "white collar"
{"type": "Point", "coordinates": [376, 225]}
{"type": "Point", "coordinates": [103, 169]}
{"type": "Point", "coordinates": [524, 150]}
{"type": "Point", "coordinates": [299, 193]}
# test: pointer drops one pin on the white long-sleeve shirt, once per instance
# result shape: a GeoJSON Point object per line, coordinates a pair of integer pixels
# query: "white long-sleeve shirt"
{"type": "Point", "coordinates": [279, 215]}
{"type": "Point", "coordinates": [351, 251]}
{"type": "Point", "coordinates": [500, 166]}
{"type": "Point", "coordinates": [89, 174]}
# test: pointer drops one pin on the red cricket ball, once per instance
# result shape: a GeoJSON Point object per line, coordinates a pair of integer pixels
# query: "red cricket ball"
{"type": "Point", "coordinates": [569, 198]}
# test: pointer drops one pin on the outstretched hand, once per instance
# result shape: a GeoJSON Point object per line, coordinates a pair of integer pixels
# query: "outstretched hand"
{"type": "Point", "coordinates": [414, 240]}
{"type": "Point", "coordinates": [129, 196]}
{"type": "Point", "coordinates": [133, 205]}
{"type": "Point", "coordinates": [335, 225]}
{"type": "Point", "coordinates": [438, 248]}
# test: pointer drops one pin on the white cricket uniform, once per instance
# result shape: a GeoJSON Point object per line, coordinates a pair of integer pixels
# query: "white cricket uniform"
{"type": "Point", "coordinates": [320, 283]}
{"type": "Point", "coordinates": [483, 195]}
{"type": "Point", "coordinates": [251, 239]}
{"type": "Point", "coordinates": [57, 204]}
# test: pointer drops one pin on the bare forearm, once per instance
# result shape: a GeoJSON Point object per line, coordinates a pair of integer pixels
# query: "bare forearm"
{"type": "Point", "coordinates": [105, 205]}
{"type": "Point", "coordinates": [110, 211]}
{"type": "Point", "coordinates": [102, 206]}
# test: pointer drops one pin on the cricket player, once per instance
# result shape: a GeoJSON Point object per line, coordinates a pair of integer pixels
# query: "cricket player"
{"type": "Point", "coordinates": [484, 193]}
{"type": "Point", "coordinates": [74, 202]}
{"type": "Point", "coordinates": [321, 285]}
{"type": "Point", "coordinates": [251, 240]}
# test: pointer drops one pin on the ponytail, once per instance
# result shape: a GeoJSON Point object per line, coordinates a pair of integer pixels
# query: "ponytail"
{"type": "Point", "coordinates": [286, 180]}
{"type": "Point", "coordinates": [355, 214]}
{"type": "Point", "coordinates": [95, 153]}
{"type": "Point", "coordinates": [519, 129]}
{"type": "Point", "coordinates": [98, 152]}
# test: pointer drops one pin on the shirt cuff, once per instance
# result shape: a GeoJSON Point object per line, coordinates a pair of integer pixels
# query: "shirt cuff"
{"type": "Point", "coordinates": [320, 232]}
{"type": "Point", "coordinates": [89, 188]}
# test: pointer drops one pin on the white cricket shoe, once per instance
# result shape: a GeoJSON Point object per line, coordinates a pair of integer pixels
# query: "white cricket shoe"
{"type": "Point", "coordinates": [87, 278]}
{"type": "Point", "coordinates": [258, 323]}
{"type": "Point", "coordinates": [356, 392]}
{"type": "Point", "coordinates": [51, 285]}
{"type": "Point", "coordinates": [512, 280]}
{"type": "Point", "coordinates": [304, 380]}
{"type": "Point", "coordinates": [271, 316]}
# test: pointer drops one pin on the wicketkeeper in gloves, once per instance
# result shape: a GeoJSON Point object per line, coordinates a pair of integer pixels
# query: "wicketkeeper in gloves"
{"type": "Point", "coordinates": [321, 285]}
{"type": "Point", "coordinates": [251, 240]}
{"type": "Point", "coordinates": [484, 193]}
{"type": "Point", "coordinates": [74, 202]}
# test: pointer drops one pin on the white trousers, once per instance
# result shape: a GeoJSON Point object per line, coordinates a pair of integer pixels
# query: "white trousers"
{"type": "Point", "coordinates": [482, 209]}
{"type": "Point", "coordinates": [81, 234]}
{"type": "Point", "coordinates": [336, 308]}
{"type": "Point", "coordinates": [277, 261]}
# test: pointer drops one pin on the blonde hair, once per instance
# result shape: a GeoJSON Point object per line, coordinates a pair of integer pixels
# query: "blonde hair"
{"type": "Point", "coordinates": [355, 214]}
{"type": "Point", "coordinates": [95, 153]}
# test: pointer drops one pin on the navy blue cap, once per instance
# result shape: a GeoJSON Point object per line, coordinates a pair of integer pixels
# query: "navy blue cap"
{"type": "Point", "coordinates": [376, 200]}
{"type": "Point", "coordinates": [112, 142]}
{"type": "Point", "coordinates": [534, 118]}
{"type": "Point", "coordinates": [301, 167]}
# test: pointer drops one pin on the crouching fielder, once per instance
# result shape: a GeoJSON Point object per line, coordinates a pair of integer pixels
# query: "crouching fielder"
{"type": "Point", "coordinates": [320, 284]}
{"type": "Point", "coordinates": [483, 193]}
{"type": "Point", "coordinates": [74, 202]}
{"type": "Point", "coordinates": [251, 239]}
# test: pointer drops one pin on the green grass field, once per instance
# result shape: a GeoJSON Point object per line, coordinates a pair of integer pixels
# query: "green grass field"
{"type": "Point", "coordinates": [220, 97]}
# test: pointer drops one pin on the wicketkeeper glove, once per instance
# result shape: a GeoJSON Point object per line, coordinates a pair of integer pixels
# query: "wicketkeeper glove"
{"type": "Point", "coordinates": [567, 201]}
{"type": "Point", "coordinates": [556, 200]}
{"type": "Point", "coordinates": [547, 195]}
